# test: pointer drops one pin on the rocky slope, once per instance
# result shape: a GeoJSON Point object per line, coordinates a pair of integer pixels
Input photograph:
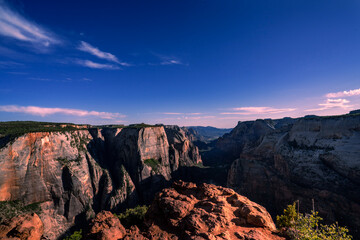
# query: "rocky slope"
{"type": "Point", "coordinates": [27, 226]}
{"type": "Point", "coordinates": [281, 161]}
{"type": "Point", "coordinates": [185, 211]}
{"type": "Point", "coordinates": [188, 211]}
{"type": "Point", "coordinates": [73, 174]}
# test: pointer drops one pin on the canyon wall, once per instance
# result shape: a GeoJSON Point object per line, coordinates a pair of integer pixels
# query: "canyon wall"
{"type": "Point", "coordinates": [74, 174]}
{"type": "Point", "coordinates": [277, 162]}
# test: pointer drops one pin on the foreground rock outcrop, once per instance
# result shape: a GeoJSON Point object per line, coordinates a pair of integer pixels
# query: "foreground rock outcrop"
{"type": "Point", "coordinates": [27, 226]}
{"type": "Point", "coordinates": [281, 161]}
{"type": "Point", "coordinates": [188, 211]}
{"type": "Point", "coordinates": [105, 226]}
{"type": "Point", "coordinates": [74, 174]}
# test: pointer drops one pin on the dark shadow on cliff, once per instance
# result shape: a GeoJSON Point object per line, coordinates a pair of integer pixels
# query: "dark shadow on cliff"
{"type": "Point", "coordinates": [213, 175]}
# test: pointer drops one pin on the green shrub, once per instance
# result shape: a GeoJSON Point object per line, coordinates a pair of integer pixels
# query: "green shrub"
{"type": "Point", "coordinates": [289, 218]}
{"type": "Point", "coordinates": [9, 131]}
{"type": "Point", "coordinates": [133, 216]}
{"type": "Point", "coordinates": [153, 163]}
{"type": "Point", "coordinates": [308, 227]}
{"type": "Point", "coordinates": [77, 235]}
{"type": "Point", "coordinates": [10, 209]}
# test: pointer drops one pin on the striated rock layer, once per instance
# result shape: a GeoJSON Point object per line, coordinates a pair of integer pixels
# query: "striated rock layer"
{"type": "Point", "coordinates": [281, 161]}
{"type": "Point", "coordinates": [76, 173]}
{"type": "Point", "coordinates": [187, 211]}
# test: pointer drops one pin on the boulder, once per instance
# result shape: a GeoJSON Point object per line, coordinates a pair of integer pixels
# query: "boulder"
{"type": "Point", "coordinates": [105, 226]}
{"type": "Point", "coordinates": [27, 226]}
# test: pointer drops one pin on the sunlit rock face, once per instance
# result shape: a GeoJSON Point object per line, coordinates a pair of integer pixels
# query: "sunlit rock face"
{"type": "Point", "coordinates": [190, 211]}
{"type": "Point", "coordinates": [27, 226]}
{"type": "Point", "coordinates": [206, 211]}
{"type": "Point", "coordinates": [76, 173]}
{"type": "Point", "coordinates": [281, 161]}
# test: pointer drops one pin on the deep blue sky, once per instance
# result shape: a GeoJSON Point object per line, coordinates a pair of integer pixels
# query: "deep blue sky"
{"type": "Point", "coordinates": [177, 62]}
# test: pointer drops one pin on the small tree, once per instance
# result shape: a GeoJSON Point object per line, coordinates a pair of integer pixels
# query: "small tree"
{"type": "Point", "coordinates": [77, 235]}
{"type": "Point", "coordinates": [307, 226]}
{"type": "Point", "coordinates": [133, 216]}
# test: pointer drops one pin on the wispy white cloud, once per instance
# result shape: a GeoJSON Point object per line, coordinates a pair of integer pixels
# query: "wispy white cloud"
{"type": "Point", "coordinates": [332, 103]}
{"type": "Point", "coordinates": [86, 47]}
{"type": "Point", "coordinates": [15, 26]}
{"type": "Point", "coordinates": [178, 113]}
{"type": "Point", "coordinates": [167, 60]}
{"type": "Point", "coordinates": [199, 117]}
{"type": "Point", "coordinates": [350, 93]}
{"type": "Point", "coordinates": [42, 111]}
{"type": "Point", "coordinates": [91, 64]}
{"type": "Point", "coordinates": [10, 64]}
{"type": "Point", "coordinates": [171, 62]}
{"type": "Point", "coordinates": [257, 110]}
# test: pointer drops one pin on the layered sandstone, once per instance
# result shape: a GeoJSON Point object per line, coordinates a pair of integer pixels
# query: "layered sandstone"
{"type": "Point", "coordinates": [281, 161]}
{"type": "Point", "coordinates": [73, 174]}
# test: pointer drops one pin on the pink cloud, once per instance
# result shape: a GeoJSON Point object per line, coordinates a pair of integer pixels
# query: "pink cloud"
{"type": "Point", "coordinates": [172, 113]}
{"type": "Point", "coordinates": [332, 103]}
{"type": "Point", "coordinates": [41, 111]}
{"type": "Point", "coordinates": [258, 110]}
{"type": "Point", "coordinates": [350, 93]}
{"type": "Point", "coordinates": [177, 113]}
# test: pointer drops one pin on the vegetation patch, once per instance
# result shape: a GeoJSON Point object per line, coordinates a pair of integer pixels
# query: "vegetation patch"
{"type": "Point", "coordinates": [137, 126]}
{"type": "Point", "coordinates": [77, 235]}
{"type": "Point", "coordinates": [200, 165]}
{"type": "Point", "coordinates": [10, 209]}
{"type": "Point", "coordinates": [300, 226]}
{"type": "Point", "coordinates": [133, 216]}
{"type": "Point", "coordinates": [153, 163]}
{"type": "Point", "coordinates": [67, 162]}
{"type": "Point", "coordinates": [9, 131]}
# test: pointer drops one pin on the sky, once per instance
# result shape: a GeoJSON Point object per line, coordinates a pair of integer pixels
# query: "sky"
{"type": "Point", "coordinates": [183, 62]}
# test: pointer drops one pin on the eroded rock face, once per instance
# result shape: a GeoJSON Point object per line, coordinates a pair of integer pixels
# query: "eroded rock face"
{"type": "Point", "coordinates": [77, 173]}
{"type": "Point", "coordinates": [28, 226]}
{"type": "Point", "coordinates": [188, 211]}
{"type": "Point", "coordinates": [282, 161]}
{"type": "Point", "coordinates": [105, 226]}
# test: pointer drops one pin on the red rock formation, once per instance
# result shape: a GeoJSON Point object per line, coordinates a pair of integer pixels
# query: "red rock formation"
{"type": "Point", "coordinates": [28, 226]}
{"type": "Point", "coordinates": [105, 226]}
{"type": "Point", "coordinates": [188, 211]}
{"type": "Point", "coordinates": [79, 172]}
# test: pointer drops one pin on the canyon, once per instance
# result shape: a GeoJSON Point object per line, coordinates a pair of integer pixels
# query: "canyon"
{"type": "Point", "coordinates": [277, 162]}
{"type": "Point", "coordinates": [76, 174]}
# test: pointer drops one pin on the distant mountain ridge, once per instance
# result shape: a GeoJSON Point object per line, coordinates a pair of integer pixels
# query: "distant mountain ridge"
{"type": "Point", "coordinates": [205, 134]}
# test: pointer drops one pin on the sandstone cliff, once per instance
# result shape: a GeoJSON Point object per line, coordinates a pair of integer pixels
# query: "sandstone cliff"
{"type": "Point", "coordinates": [190, 211]}
{"type": "Point", "coordinates": [73, 174]}
{"type": "Point", "coordinates": [281, 161]}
